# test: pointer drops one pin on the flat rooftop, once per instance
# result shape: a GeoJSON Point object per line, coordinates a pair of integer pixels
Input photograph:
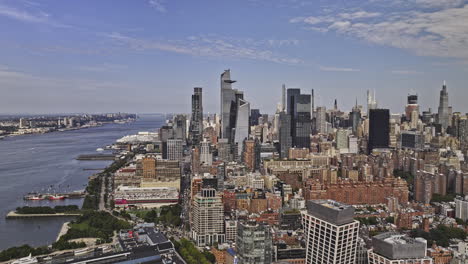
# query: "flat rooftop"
{"type": "Point", "coordinates": [331, 211]}
{"type": "Point", "coordinates": [398, 246]}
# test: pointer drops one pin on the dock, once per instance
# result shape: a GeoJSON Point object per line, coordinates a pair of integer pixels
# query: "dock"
{"type": "Point", "coordinates": [96, 157]}
{"type": "Point", "coordinates": [15, 215]}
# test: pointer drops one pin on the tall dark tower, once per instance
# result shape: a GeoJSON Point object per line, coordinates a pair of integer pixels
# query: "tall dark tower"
{"type": "Point", "coordinates": [379, 129]}
{"type": "Point", "coordinates": [196, 123]}
{"type": "Point", "coordinates": [443, 114]}
{"type": "Point", "coordinates": [299, 106]}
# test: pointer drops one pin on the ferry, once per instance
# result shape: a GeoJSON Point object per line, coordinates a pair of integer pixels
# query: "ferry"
{"type": "Point", "coordinates": [99, 149]}
{"type": "Point", "coordinates": [34, 197]}
{"type": "Point", "coordinates": [26, 260]}
{"type": "Point", "coordinates": [56, 197]}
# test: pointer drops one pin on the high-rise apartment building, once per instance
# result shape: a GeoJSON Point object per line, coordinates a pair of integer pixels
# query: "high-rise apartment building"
{"type": "Point", "coordinates": [461, 208]}
{"type": "Point", "coordinates": [411, 106]}
{"type": "Point", "coordinates": [331, 232]}
{"type": "Point", "coordinates": [443, 113]}
{"type": "Point", "coordinates": [254, 243]}
{"type": "Point", "coordinates": [251, 154]}
{"type": "Point", "coordinates": [394, 248]}
{"type": "Point", "coordinates": [175, 149]}
{"type": "Point", "coordinates": [321, 120]}
{"type": "Point", "coordinates": [196, 123]}
{"type": "Point", "coordinates": [379, 129]}
{"type": "Point", "coordinates": [207, 218]}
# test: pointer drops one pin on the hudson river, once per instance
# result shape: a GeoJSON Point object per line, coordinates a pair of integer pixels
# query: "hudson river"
{"type": "Point", "coordinates": [36, 162]}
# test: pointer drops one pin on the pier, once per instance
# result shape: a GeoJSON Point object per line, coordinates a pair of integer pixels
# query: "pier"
{"type": "Point", "coordinates": [15, 215]}
{"type": "Point", "coordinates": [96, 157]}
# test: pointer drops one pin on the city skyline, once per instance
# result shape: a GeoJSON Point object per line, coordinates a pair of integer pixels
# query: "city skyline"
{"type": "Point", "coordinates": [68, 57]}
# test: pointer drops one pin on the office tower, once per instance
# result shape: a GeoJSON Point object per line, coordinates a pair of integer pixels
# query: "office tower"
{"type": "Point", "coordinates": [443, 113]}
{"type": "Point", "coordinates": [174, 149]}
{"type": "Point", "coordinates": [206, 157]}
{"type": "Point", "coordinates": [254, 243]}
{"type": "Point", "coordinates": [355, 118]}
{"type": "Point", "coordinates": [412, 105]}
{"type": "Point", "coordinates": [299, 106]}
{"type": "Point", "coordinates": [379, 129]}
{"type": "Point", "coordinates": [302, 120]}
{"type": "Point", "coordinates": [180, 127]}
{"type": "Point", "coordinates": [342, 139]}
{"type": "Point", "coordinates": [463, 129]}
{"type": "Point", "coordinates": [321, 120]}
{"type": "Point", "coordinates": [335, 105]}
{"type": "Point", "coordinates": [224, 150]}
{"type": "Point", "coordinates": [229, 101]}
{"type": "Point", "coordinates": [242, 124]}
{"type": "Point", "coordinates": [207, 218]}
{"type": "Point", "coordinates": [412, 140]}
{"type": "Point", "coordinates": [283, 98]}
{"type": "Point", "coordinates": [254, 116]}
{"type": "Point", "coordinates": [371, 102]}
{"type": "Point", "coordinates": [331, 233]}
{"type": "Point", "coordinates": [196, 124]}
{"type": "Point", "coordinates": [285, 139]}
{"type": "Point", "coordinates": [395, 248]}
{"type": "Point", "coordinates": [312, 104]}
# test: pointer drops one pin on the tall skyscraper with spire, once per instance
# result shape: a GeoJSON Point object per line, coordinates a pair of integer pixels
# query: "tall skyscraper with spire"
{"type": "Point", "coordinates": [371, 101]}
{"type": "Point", "coordinates": [443, 113]}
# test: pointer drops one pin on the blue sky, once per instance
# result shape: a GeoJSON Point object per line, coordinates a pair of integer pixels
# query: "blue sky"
{"type": "Point", "coordinates": [147, 55]}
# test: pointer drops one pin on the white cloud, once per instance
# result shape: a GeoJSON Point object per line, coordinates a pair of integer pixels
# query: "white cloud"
{"type": "Point", "coordinates": [106, 67]}
{"type": "Point", "coordinates": [22, 15]}
{"type": "Point", "coordinates": [431, 3]}
{"type": "Point", "coordinates": [406, 72]}
{"type": "Point", "coordinates": [440, 33]}
{"type": "Point", "coordinates": [158, 5]}
{"type": "Point", "coordinates": [39, 17]}
{"type": "Point", "coordinates": [314, 20]}
{"type": "Point", "coordinates": [210, 46]}
{"type": "Point", "coordinates": [338, 69]}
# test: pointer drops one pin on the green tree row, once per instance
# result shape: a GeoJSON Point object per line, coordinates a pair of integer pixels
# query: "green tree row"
{"type": "Point", "coordinates": [440, 235]}
{"type": "Point", "coordinates": [47, 209]}
{"type": "Point", "coordinates": [191, 254]}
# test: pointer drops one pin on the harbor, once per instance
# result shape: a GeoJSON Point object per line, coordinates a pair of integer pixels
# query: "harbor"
{"type": "Point", "coordinates": [54, 196]}
{"type": "Point", "coordinates": [37, 162]}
